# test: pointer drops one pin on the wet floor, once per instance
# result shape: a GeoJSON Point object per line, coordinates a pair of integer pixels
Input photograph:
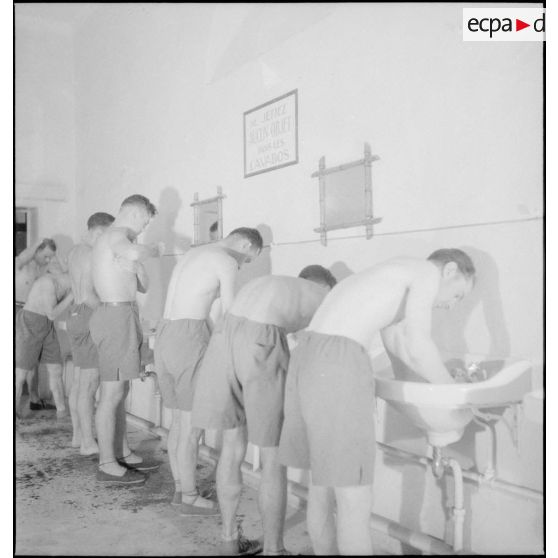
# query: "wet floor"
{"type": "Point", "coordinates": [62, 510]}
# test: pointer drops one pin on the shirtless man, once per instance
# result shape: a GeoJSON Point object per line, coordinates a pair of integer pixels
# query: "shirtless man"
{"type": "Point", "coordinates": [118, 275]}
{"type": "Point", "coordinates": [201, 276]}
{"type": "Point", "coordinates": [29, 266]}
{"type": "Point", "coordinates": [329, 401]}
{"type": "Point", "coordinates": [241, 388]}
{"type": "Point", "coordinates": [36, 337]}
{"type": "Point", "coordinates": [84, 353]}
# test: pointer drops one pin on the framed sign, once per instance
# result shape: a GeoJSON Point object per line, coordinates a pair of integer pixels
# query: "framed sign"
{"type": "Point", "coordinates": [271, 135]}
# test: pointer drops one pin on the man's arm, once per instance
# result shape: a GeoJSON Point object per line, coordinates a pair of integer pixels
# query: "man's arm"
{"type": "Point", "coordinates": [53, 308]}
{"type": "Point", "coordinates": [419, 348]}
{"type": "Point", "coordinates": [226, 274]}
{"type": "Point", "coordinates": [27, 255]}
{"type": "Point", "coordinates": [142, 278]}
{"type": "Point", "coordinates": [123, 248]}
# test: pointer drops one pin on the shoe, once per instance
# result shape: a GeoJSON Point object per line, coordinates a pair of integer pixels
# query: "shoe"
{"type": "Point", "coordinates": [193, 510]}
{"type": "Point", "coordinates": [143, 466]}
{"type": "Point", "coordinates": [240, 547]}
{"type": "Point", "coordinates": [128, 478]}
{"type": "Point", "coordinates": [42, 405]}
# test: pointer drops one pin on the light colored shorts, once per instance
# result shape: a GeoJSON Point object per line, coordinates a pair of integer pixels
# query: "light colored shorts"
{"type": "Point", "coordinates": [329, 411]}
{"type": "Point", "coordinates": [36, 340]}
{"type": "Point", "coordinates": [84, 352]}
{"type": "Point", "coordinates": [116, 331]}
{"type": "Point", "coordinates": [242, 380]}
{"type": "Point", "coordinates": [179, 348]}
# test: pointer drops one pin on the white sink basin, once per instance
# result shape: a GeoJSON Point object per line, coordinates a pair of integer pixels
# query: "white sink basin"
{"type": "Point", "coordinates": [444, 410]}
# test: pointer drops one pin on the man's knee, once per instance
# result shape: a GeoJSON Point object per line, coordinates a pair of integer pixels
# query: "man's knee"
{"type": "Point", "coordinates": [235, 444]}
{"type": "Point", "coordinates": [54, 371]}
{"type": "Point", "coordinates": [112, 393]}
{"type": "Point", "coordinates": [20, 376]}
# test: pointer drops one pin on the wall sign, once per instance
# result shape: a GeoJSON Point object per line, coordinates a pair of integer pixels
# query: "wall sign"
{"type": "Point", "coordinates": [271, 135]}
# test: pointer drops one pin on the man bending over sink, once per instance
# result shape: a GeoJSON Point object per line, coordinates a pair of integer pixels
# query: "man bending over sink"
{"type": "Point", "coordinates": [329, 423]}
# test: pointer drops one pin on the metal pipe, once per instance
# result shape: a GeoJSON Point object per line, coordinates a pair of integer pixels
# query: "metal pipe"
{"type": "Point", "coordinates": [458, 508]}
{"type": "Point", "coordinates": [420, 541]}
{"type": "Point", "coordinates": [478, 478]}
{"type": "Point", "coordinates": [437, 462]}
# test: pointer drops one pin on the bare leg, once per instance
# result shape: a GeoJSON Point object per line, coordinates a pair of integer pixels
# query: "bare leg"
{"type": "Point", "coordinates": [56, 386]}
{"type": "Point", "coordinates": [73, 404]}
{"type": "Point", "coordinates": [172, 448]}
{"type": "Point", "coordinates": [187, 459]}
{"type": "Point", "coordinates": [229, 478]}
{"type": "Point", "coordinates": [20, 375]}
{"type": "Point", "coordinates": [121, 447]}
{"type": "Point", "coordinates": [88, 384]}
{"type": "Point", "coordinates": [354, 507]}
{"type": "Point", "coordinates": [32, 380]}
{"type": "Point", "coordinates": [112, 394]}
{"type": "Point", "coordinates": [272, 499]}
{"type": "Point", "coordinates": [321, 520]}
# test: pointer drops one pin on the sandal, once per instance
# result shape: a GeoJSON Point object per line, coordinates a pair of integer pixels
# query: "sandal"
{"type": "Point", "coordinates": [193, 510]}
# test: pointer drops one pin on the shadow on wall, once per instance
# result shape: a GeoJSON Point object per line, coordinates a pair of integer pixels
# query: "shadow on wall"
{"type": "Point", "coordinates": [262, 264]}
{"type": "Point", "coordinates": [448, 328]}
{"type": "Point", "coordinates": [340, 271]}
{"type": "Point", "coordinates": [160, 269]}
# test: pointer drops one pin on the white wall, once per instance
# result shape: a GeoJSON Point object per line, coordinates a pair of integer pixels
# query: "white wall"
{"type": "Point", "coordinates": [160, 91]}
{"type": "Point", "coordinates": [45, 167]}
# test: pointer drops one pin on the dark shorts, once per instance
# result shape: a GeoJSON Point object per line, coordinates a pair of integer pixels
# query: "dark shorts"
{"type": "Point", "coordinates": [329, 411]}
{"type": "Point", "coordinates": [36, 340]}
{"type": "Point", "coordinates": [116, 331]}
{"type": "Point", "coordinates": [242, 380]}
{"type": "Point", "coordinates": [84, 352]}
{"type": "Point", "coordinates": [179, 348]}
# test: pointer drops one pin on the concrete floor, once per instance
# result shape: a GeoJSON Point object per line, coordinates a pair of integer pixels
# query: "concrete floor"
{"type": "Point", "coordinates": [62, 510]}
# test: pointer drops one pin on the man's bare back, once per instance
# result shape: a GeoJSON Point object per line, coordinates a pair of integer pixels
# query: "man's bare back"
{"type": "Point", "coordinates": [112, 281]}
{"type": "Point", "coordinates": [395, 298]}
{"type": "Point", "coordinates": [81, 277]}
{"type": "Point", "coordinates": [287, 302]}
{"type": "Point", "coordinates": [202, 275]}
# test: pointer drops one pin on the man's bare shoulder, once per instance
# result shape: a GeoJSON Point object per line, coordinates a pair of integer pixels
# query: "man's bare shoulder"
{"type": "Point", "coordinates": [220, 257]}
{"type": "Point", "coordinates": [79, 251]}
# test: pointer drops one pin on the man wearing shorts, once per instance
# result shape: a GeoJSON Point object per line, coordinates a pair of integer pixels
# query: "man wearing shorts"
{"type": "Point", "coordinates": [241, 388]}
{"type": "Point", "coordinates": [329, 400]}
{"type": "Point", "coordinates": [84, 353]}
{"type": "Point", "coordinates": [35, 336]}
{"type": "Point", "coordinates": [116, 331]}
{"type": "Point", "coordinates": [31, 264]}
{"type": "Point", "coordinates": [202, 275]}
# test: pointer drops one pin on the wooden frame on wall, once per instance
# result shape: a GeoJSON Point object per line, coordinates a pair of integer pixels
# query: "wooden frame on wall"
{"type": "Point", "coordinates": [346, 195]}
{"type": "Point", "coordinates": [206, 213]}
{"type": "Point", "coordinates": [271, 135]}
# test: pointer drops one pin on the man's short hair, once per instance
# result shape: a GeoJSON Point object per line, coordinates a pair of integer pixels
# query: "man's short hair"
{"type": "Point", "coordinates": [214, 227]}
{"type": "Point", "coordinates": [446, 255]}
{"type": "Point", "coordinates": [253, 235]}
{"type": "Point", "coordinates": [46, 243]}
{"type": "Point", "coordinates": [99, 219]}
{"type": "Point", "coordinates": [318, 274]}
{"type": "Point", "coordinates": [140, 201]}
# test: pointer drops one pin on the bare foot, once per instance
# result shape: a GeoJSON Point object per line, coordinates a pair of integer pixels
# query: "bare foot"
{"type": "Point", "coordinates": [76, 440]}
{"type": "Point", "coordinates": [89, 450]}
